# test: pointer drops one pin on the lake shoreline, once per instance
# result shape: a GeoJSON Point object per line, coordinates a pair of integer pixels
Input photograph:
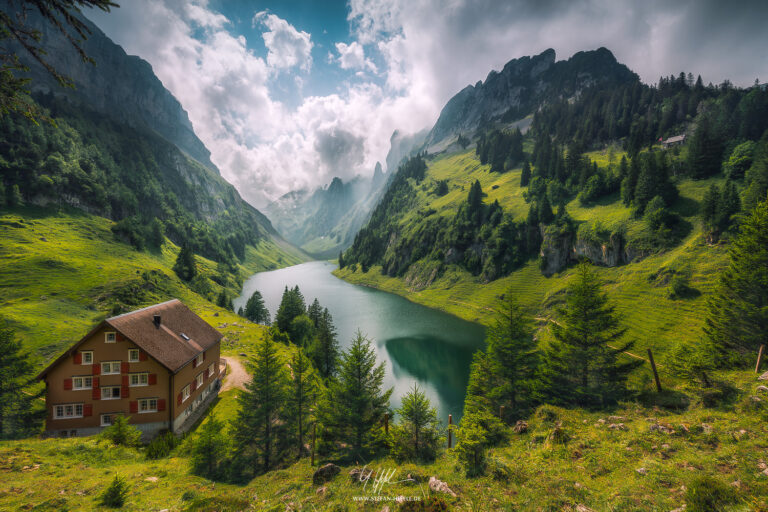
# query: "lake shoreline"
{"type": "Point", "coordinates": [418, 344]}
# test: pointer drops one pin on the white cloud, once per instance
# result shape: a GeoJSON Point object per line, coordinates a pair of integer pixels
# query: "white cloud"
{"type": "Point", "coordinates": [352, 56]}
{"type": "Point", "coordinates": [428, 50]}
{"type": "Point", "coordinates": [286, 46]}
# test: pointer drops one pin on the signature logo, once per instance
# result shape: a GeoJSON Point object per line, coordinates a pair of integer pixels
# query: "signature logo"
{"type": "Point", "coordinates": [378, 479]}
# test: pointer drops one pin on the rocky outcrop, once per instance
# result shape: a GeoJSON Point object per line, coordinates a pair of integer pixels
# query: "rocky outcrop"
{"type": "Point", "coordinates": [560, 248]}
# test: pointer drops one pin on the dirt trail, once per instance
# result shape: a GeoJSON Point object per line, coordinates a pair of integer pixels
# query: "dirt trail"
{"type": "Point", "coordinates": [236, 375]}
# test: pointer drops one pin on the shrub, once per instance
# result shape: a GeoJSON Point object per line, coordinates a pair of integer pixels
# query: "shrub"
{"type": "Point", "coordinates": [114, 495]}
{"type": "Point", "coordinates": [499, 469]}
{"type": "Point", "coordinates": [162, 446]}
{"type": "Point", "coordinates": [431, 504]}
{"type": "Point", "coordinates": [708, 494]}
{"type": "Point", "coordinates": [122, 433]}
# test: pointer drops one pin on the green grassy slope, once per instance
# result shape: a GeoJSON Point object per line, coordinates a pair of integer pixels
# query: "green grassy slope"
{"type": "Point", "coordinates": [630, 467]}
{"type": "Point", "coordinates": [60, 273]}
{"type": "Point", "coordinates": [640, 290]}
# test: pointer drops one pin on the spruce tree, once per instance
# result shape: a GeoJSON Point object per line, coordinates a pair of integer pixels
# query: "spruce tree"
{"type": "Point", "coordinates": [709, 207]}
{"type": "Point", "coordinates": [578, 365]}
{"type": "Point", "coordinates": [255, 309]}
{"type": "Point", "coordinates": [324, 350]}
{"type": "Point", "coordinates": [417, 435]}
{"type": "Point", "coordinates": [301, 397]}
{"type": "Point", "coordinates": [356, 402]}
{"type": "Point", "coordinates": [525, 174]}
{"type": "Point", "coordinates": [705, 150]}
{"type": "Point", "coordinates": [185, 266]}
{"type": "Point", "coordinates": [737, 313]}
{"type": "Point", "coordinates": [315, 312]}
{"type": "Point", "coordinates": [341, 259]}
{"type": "Point", "coordinates": [291, 306]}
{"type": "Point", "coordinates": [512, 351]}
{"type": "Point", "coordinates": [545, 214]}
{"type": "Point", "coordinates": [20, 413]}
{"type": "Point", "coordinates": [208, 449]}
{"type": "Point", "coordinates": [260, 426]}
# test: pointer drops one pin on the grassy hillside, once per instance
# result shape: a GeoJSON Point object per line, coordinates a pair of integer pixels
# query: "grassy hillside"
{"type": "Point", "coordinates": [60, 273]}
{"type": "Point", "coordinates": [640, 289]}
{"type": "Point", "coordinates": [637, 457]}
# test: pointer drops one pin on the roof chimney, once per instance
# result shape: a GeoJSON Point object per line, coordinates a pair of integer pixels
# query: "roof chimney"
{"type": "Point", "coordinates": [156, 321]}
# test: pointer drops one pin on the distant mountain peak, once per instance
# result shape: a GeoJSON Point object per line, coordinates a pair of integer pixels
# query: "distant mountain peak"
{"type": "Point", "coordinates": [521, 87]}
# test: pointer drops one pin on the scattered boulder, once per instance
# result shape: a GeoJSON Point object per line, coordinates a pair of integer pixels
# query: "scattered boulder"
{"type": "Point", "coordinates": [325, 473]}
{"type": "Point", "coordinates": [618, 426]}
{"type": "Point", "coordinates": [321, 491]}
{"type": "Point", "coordinates": [151, 479]}
{"type": "Point", "coordinates": [216, 314]}
{"type": "Point", "coordinates": [436, 485]}
{"type": "Point", "coordinates": [642, 471]}
{"type": "Point", "coordinates": [706, 428]}
{"type": "Point", "coordinates": [583, 508]}
{"type": "Point", "coordinates": [521, 427]}
{"type": "Point", "coordinates": [601, 421]}
{"type": "Point", "coordinates": [763, 376]}
{"type": "Point", "coordinates": [659, 427]}
{"type": "Point", "coordinates": [764, 389]}
{"type": "Point", "coordinates": [615, 419]}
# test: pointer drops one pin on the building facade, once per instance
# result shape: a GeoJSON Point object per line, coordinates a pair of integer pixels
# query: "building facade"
{"type": "Point", "coordinates": [158, 365]}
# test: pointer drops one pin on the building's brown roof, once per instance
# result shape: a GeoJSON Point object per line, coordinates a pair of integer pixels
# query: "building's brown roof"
{"type": "Point", "coordinates": [165, 343]}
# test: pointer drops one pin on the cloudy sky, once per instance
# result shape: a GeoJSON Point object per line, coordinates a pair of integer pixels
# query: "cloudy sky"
{"type": "Point", "coordinates": [287, 94]}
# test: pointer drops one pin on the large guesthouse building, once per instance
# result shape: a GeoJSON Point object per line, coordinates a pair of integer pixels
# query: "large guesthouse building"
{"type": "Point", "coordinates": [158, 365]}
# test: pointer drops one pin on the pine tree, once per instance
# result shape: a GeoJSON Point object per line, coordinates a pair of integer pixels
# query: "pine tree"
{"type": "Point", "coordinates": [20, 414]}
{"type": "Point", "coordinates": [356, 402]}
{"type": "Point", "coordinates": [417, 436]}
{"type": "Point", "coordinates": [737, 313]}
{"type": "Point", "coordinates": [578, 367]}
{"type": "Point", "coordinates": [324, 350]}
{"type": "Point", "coordinates": [341, 259]}
{"type": "Point", "coordinates": [525, 175]}
{"type": "Point", "coordinates": [185, 266]}
{"type": "Point", "coordinates": [301, 397]}
{"type": "Point", "coordinates": [730, 205]}
{"type": "Point", "coordinates": [255, 309]}
{"type": "Point", "coordinates": [260, 425]}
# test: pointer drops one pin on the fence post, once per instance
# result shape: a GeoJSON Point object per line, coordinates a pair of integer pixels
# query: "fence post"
{"type": "Point", "coordinates": [759, 358]}
{"type": "Point", "coordinates": [314, 435]}
{"type": "Point", "coordinates": [450, 428]}
{"type": "Point", "coordinates": [655, 373]}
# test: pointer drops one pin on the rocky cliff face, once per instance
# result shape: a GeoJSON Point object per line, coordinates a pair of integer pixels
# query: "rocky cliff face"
{"type": "Point", "coordinates": [121, 86]}
{"type": "Point", "coordinates": [521, 87]}
{"type": "Point", "coordinates": [559, 249]}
